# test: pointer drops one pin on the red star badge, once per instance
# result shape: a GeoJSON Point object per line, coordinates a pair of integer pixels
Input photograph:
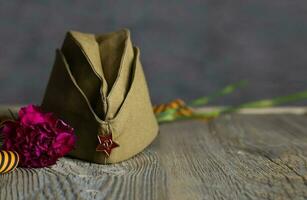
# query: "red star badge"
{"type": "Point", "coordinates": [106, 144]}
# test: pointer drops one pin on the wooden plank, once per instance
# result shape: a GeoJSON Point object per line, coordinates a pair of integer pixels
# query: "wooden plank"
{"type": "Point", "coordinates": [233, 157]}
{"type": "Point", "coordinates": [236, 157]}
{"type": "Point", "coordinates": [139, 178]}
{"type": "Point", "coordinates": [260, 145]}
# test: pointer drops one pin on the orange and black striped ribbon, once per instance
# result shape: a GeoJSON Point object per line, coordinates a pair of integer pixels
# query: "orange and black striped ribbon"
{"type": "Point", "coordinates": [8, 161]}
{"type": "Point", "coordinates": [180, 105]}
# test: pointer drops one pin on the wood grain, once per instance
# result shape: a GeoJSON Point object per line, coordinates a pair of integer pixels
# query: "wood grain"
{"type": "Point", "coordinates": [238, 156]}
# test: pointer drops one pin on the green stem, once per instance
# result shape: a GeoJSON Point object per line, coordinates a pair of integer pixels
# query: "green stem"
{"type": "Point", "coordinates": [169, 116]}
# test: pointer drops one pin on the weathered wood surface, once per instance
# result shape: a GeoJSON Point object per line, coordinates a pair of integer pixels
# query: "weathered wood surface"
{"type": "Point", "coordinates": [237, 156]}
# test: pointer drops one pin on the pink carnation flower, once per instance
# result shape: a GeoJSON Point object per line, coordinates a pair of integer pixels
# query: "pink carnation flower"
{"type": "Point", "coordinates": [39, 138]}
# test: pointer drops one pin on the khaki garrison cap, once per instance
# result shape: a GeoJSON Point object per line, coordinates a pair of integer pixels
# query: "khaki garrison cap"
{"type": "Point", "coordinates": [97, 85]}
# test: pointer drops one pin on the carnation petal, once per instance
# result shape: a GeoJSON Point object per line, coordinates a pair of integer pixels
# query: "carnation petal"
{"type": "Point", "coordinates": [39, 138]}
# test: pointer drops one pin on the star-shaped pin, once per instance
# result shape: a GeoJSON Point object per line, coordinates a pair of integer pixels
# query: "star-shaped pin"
{"type": "Point", "coordinates": [106, 144]}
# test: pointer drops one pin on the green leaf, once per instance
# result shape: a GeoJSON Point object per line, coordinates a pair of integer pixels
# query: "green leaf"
{"type": "Point", "coordinates": [265, 103]}
{"type": "Point", "coordinates": [167, 115]}
{"type": "Point", "coordinates": [225, 91]}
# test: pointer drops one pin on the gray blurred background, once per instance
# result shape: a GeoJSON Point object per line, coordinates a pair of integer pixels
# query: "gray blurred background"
{"type": "Point", "coordinates": [188, 48]}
